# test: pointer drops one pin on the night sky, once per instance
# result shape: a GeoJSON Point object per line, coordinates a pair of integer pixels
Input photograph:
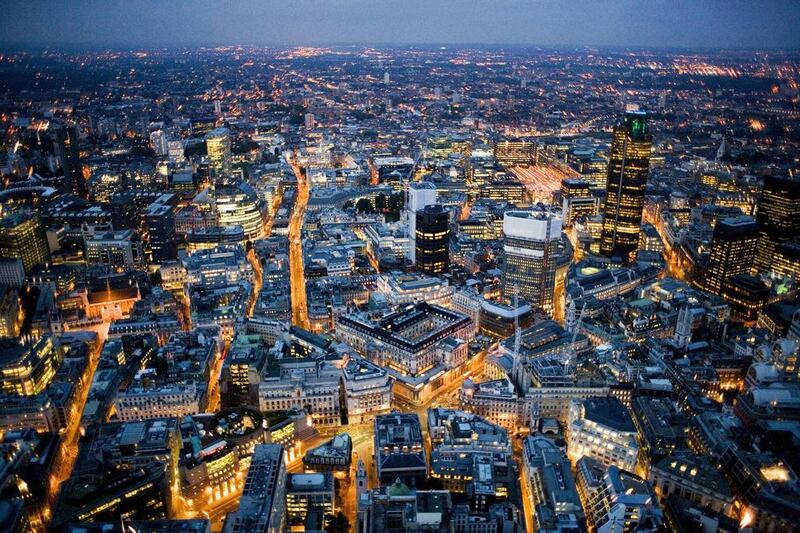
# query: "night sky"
{"type": "Point", "coordinates": [656, 23]}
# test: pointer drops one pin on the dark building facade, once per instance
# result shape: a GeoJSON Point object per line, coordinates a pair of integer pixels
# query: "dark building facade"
{"type": "Point", "coordinates": [433, 240]}
{"type": "Point", "coordinates": [628, 166]}
{"type": "Point", "coordinates": [778, 218]}
{"type": "Point", "coordinates": [733, 249]}
{"type": "Point", "coordinates": [159, 221]}
{"type": "Point", "coordinates": [65, 146]}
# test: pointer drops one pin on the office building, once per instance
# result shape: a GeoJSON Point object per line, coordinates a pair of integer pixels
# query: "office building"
{"type": "Point", "coordinates": [432, 240]}
{"type": "Point", "coordinates": [67, 153]}
{"type": "Point", "coordinates": [218, 147]}
{"type": "Point", "coordinates": [239, 205]}
{"type": "Point", "coordinates": [27, 369]}
{"type": "Point", "coordinates": [22, 236]}
{"type": "Point", "coordinates": [694, 478]}
{"type": "Point", "coordinates": [142, 402]}
{"type": "Point", "coordinates": [778, 218]}
{"type": "Point", "coordinates": [396, 508]}
{"type": "Point", "coordinates": [623, 502]}
{"type": "Point", "coordinates": [123, 468]}
{"type": "Point", "coordinates": [407, 341]}
{"type": "Point", "coordinates": [496, 401]}
{"type": "Point", "coordinates": [262, 506]}
{"type": "Point", "coordinates": [577, 200]}
{"type": "Point", "coordinates": [309, 494]}
{"type": "Point", "coordinates": [530, 251]}
{"type": "Point", "coordinates": [628, 166]}
{"type": "Point", "coordinates": [785, 260]}
{"type": "Point", "coordinates": [747, 295]}
{"type": "Point", "coordinates": [399, 449]}
{"type": "Point", "coordinates": [515, 152]}
{"type": "Point", "coordinates": [499, 320]}
{"type": "Point", "coordinates": [12, 272]}
{"type": "Point", "coordinates": [420, 195]}
{"type": "Point", "coordinates": [470, 455]}
{"type": "Point", "coordinates": [733, 250]}
{"type": "Point", "coordinates": [767, 488]}
{"type": "Point", "coordinates": [547, 475]}
{"type": "Point", "coordinates": [159, 221]}
{"type": "Point", "coordinates": [400, 288]}
{"type": "Point", "coordinates": [601, 428]}
{"type": "Point", "coordinates": [117, 249]}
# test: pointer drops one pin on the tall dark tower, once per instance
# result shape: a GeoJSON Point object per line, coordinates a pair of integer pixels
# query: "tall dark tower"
{"type": "Point", "coordinates": [778, 218]}
{"type": "Point", "coordinates": [433, 240]}
{"type": "Point", "coordinates": [733, 248]}
{"type": "Point", "coordinates": [65, 144]}
{"type": "Point", "coordinates": [628, 165]}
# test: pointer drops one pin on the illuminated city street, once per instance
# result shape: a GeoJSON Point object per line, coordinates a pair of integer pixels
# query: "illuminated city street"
{"type": "Point", "coordinates": [297, 273]}
{"type": "Point", "coordinates": [488, 267]}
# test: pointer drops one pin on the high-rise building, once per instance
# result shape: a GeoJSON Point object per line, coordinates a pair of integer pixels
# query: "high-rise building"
{"type": "Point", "coordinates": [733, 249]}
{"type": "Point", "coordinates": [515, 152]}
{"type": "Point", "coordinates": [65, 146]}
{"type": "Point", "coordinates": [420, 195]}
{"type": "Point", "coordinates": [530, 248]}
{"type": "Point", "coordinates": [627, 178]}
{"type": "Point", "coordinates": [239, 205]}
{"type": "Point", "coordinates": [22, 235]}
{"type": "Point", "coordinates": [786, 259]}
{"type": "Point", "coordinates": [158, 142]}
{"type": "Point", "coordinates": [432, 240]}
{"type": "Point", "coordinates": [218, 147]}
{"type": "Point", "coordinates": [778, 218]}
{"type": "Point", "coordinates": [27, 369]}
{"type": "Point", "coordinates": [160, 223]}
{"type": "Point", "coordinates": [577, 200]}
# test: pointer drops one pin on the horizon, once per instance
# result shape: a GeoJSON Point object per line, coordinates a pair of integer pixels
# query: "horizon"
{"type": "Point", "coordinates": [713, 25]}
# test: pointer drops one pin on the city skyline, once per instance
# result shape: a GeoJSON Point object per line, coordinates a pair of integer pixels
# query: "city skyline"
{"type": "Point", "coordinates": [373, 289]}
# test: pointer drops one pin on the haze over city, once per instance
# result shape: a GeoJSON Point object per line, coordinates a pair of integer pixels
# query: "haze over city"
{"type": "Point", "coordinates": [656, 23]}
{"type": "Point", "coordinates": [377, 267]}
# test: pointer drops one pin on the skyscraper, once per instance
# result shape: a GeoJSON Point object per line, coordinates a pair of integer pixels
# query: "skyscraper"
{"type": "Point", "coordinates": [628, 165]}
{"type": "Point", "coordinates": [530, 248]}
{"type": "Point", "coordinates": [733, 248]}
{"type": "Point", "coordinates": [159, 221]}
{"type": "Point", "coordinates": [778, 218]}
{"type": "Point", "coordinates": [22, 235]}
{"type": "Point", "coordinates": [218, 146]}
{"type": "Point", "coordinates": [65, 146]}
{"type": "Point", "coordinates": [432, 240]}
{"type": "Point", "coordinates": [420, 195]}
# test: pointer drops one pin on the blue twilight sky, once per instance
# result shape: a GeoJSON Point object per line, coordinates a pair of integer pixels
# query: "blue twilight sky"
{"type": "Point", "coordinates": [650, 23]}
